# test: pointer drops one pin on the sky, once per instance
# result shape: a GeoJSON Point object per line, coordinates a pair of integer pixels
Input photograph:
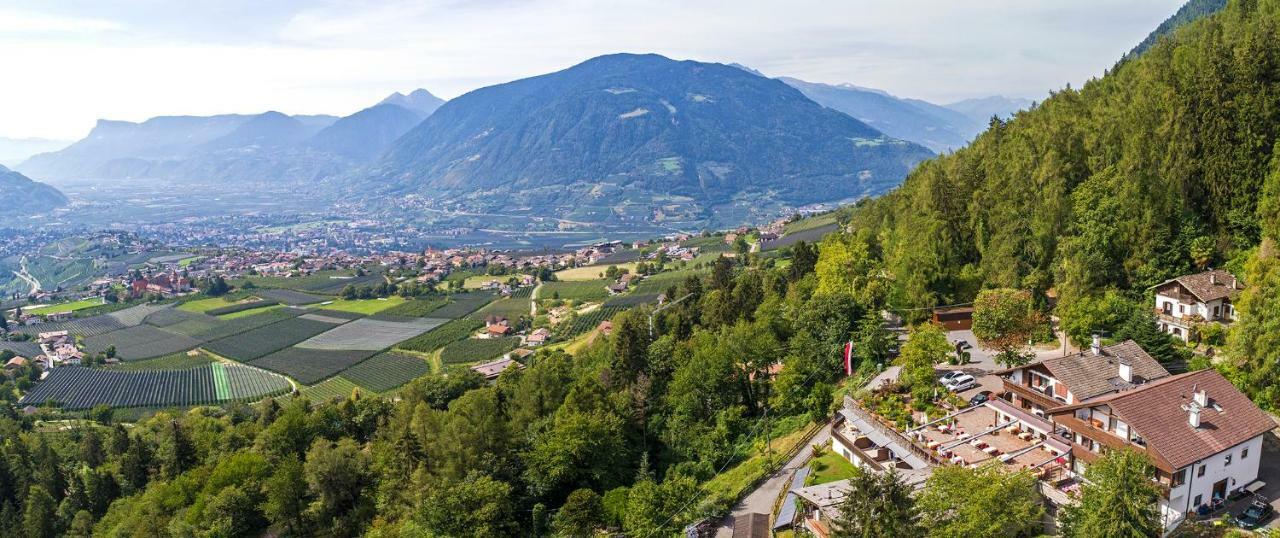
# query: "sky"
{"type": "Point", "coordinates": [67, 63]}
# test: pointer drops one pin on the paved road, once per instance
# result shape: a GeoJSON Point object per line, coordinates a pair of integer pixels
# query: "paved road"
{"type": "Point", "coordinates": [761, 500]}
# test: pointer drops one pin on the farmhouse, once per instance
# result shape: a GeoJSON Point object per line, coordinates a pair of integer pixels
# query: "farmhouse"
{"type": "Point", "coordinates": [16, 363]}
{"type": "Point", "coordinates": [538, 337]}
{"type": "Point", "coordinates": [616, 288]}
{"type": "Point", "coordinates": [1187, 301]}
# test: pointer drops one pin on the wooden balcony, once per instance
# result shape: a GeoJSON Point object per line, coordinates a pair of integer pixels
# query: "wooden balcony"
{"type": "Point", "coordinates": [1036, 396]}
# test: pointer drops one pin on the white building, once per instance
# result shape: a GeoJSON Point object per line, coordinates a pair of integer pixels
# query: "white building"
{"type": "Point", "coordinates": [1202, 435]}
{"type": "Point", "coordinates": [1186, 301]}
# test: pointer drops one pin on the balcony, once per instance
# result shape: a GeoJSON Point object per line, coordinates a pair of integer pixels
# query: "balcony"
{"type": "Point", "coordinates": [1042, 397]}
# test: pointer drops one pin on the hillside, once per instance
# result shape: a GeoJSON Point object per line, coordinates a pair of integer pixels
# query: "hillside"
{"type": "Point", "coordinates": [419, 100]}
{"type": "Point", "coordinates": [937, 128]}
{"type": "Point", "coordinates": [627, 137]}
{"type": "Point", "coordinates": [1189, 12]}
{"type": "Point", "coordinates": [232, 148]}
{"type": "Point", "coordinates": [1149, 172]}
{"type": "Point", "coordinates": [364, 135]}
{"type": "Point", "coordinates": [21, 196]}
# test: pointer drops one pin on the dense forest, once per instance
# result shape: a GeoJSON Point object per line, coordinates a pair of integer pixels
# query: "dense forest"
{"type": "Point", "coordinates": [621, 435]}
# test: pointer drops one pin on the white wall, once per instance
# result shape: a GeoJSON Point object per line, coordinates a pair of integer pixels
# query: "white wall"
{"type": "Point", "coordinates": [1243, 471]}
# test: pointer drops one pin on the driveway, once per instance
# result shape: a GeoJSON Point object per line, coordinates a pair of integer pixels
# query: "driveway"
{"type": "Point", "coordinates": [762, 498]}
{"type": "Point", "coordinates": [982, 362]}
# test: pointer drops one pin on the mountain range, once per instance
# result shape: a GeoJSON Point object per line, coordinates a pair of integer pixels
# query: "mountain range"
{"type": "Point", "coordinates": [617, 138]}
{"type": "Point", "coordinates": [22, 196]}
{"type": "Point", "coordinates": [640, 132]}
{"type": "Point", "coordinates": [234, 148]}
{"type": "Point", "coordinates": [16, 150]}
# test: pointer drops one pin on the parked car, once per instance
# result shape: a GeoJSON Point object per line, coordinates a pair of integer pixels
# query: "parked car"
{"type": "Point", "coordinates": [960, 383]}
{"type": "Point", "coordinates": [980, 398]}
{"type": "Point", "coordinates": [949, 375]}
{"type": "Point", "coordinates": [1257, 513]}
{"type": "Point", "coordinates": [963, 344]}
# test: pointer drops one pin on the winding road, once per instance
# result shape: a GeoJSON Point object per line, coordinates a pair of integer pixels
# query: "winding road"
{"type": "Point", "coordinates": [24, 275]}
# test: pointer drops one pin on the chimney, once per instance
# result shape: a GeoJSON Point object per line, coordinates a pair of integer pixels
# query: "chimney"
{"type": "Point", "coordinates": [1213, 279]}
{"type": "Point", "coordinates": [1201, 398]}
{"type": "Point", "coordinates": [1096, 346]}
{"type": "Point", "coordinates": [1126, 371]}
{"type": "Point", "coordinates": [1235, 283]}
{"type": "Point", "coordinates": [1193, 415]}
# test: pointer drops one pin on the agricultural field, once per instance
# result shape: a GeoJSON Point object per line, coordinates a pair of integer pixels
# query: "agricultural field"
{"type": "Point", "coordinates": [631, 300]}
{"type": "Point", "coordinates": [589, 272]}
{"type": "Point", "coordinates": [477, 349]}
{"type": "Point", "coordinates": [64, 307]}
{"type": "Point", "coordinates": [244, 313]}
{"type": "Point", "coordinates": [659, 283]}
{"type": "Point", "coordinates": [83, 388]}
{"type": "Point", "coordinates": [508, 307]}
{"type": "Point", "coordinates": [243, 306]}
{"type": "Point", "coordinates": [200, 306]}
{"type": "Point", "coordinates": [323, 283]}
{"type": "Point", "coordinates": [417, 308]}
{"type": "Point", "coordinates": [387, 371]}
{"type": "Point", "coordinates": [585, 290]}
{"type": "Point", "coordinates": [443, 335]}
{"type": "Point", "coordinates": [134, 315]}
{"type": "Point", "coordinates": [590, 320]}
{"type": "Point", "coordinates": [141, 342]}
{"type": "Point", "coordinates": [263, 341]}
{"type": "Point", "coordinates": [461, 304]}
{"type": "Point", "coordinates": [809, 235]}
{"type": "Point", "coordinates": [310, 366]}
{"type": "Point", "coordinates": [177, 361]}
{"type": "Point", "coordinates": [290, 297]}
{"type": "Point", "coordinates": [207, 331]}
{"type": "Point", "coordinates": [334, 388]}
{"type": "Point", "coordinates": [92, 326]}
{"type": "Point", "coordinates": [366, 307]}
{"type": "Point", "coordinates": [25, 349]}
{"type": "Point", "coordinates": [474, 282]}
{"type": "Point", "coordinates": [370, 334]}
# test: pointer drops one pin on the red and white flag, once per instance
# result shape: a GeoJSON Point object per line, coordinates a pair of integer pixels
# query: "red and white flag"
{"type": "Point", "coordinates": [848, 359]}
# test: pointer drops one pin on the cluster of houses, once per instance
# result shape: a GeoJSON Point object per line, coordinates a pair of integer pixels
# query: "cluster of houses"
{"type": "Point", "coordinates": [1055, 416]}
{"type": "Point", "coordinates": [165, 283]}
{"type": "Point", "coordinates": [57, 348]}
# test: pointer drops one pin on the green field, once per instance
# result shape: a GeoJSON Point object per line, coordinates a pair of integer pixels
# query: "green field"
{"type": "Point", "coordinates": [177, 361]}
{"type": "Point", "coordinates": [508, 307]}
{"type": "Point", "coordinates": [201, 306]}
{"type": "Point", "coordinates": [250, 312]}
{"type": "Point", "coordinates": [417, 308]}
{"type": "Point", "coordinates": [330, 389]}
{"type": "Point", "coordinates": [477, 349]}
{"type": "Point", "coordinates": [65, 307]}
{"type": "Point", "coordinates": [443, 335]}
{"type": "Point", "coordinates": [589, 272]}
{"type": "Point", "coordinates": [367, 307]}
{"type": "Point", "coordinates": [586, 290]}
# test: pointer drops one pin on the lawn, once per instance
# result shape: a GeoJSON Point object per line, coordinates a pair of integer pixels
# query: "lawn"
{"type": "Point", "coordinates": [65, 307]}
{"type": "Point", "coordinates": [581, 290]}
{"type": "Point", "coordinates": [367, 307]}
{"type": "Point", "coordinates": [829, 467]}
{"type": "Point", "coordinates": [589, 272]}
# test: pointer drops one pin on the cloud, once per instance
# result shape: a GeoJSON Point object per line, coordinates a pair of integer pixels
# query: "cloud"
{"type": "Point", "coordinates": [128, 60]}
{"type": "Point", "coordinates": [17, 23]}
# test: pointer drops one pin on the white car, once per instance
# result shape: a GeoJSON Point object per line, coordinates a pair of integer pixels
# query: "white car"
{"type": "Point", "coordinates": [949, 375]}
{"type": "Point", "coordinates": [960, 383]}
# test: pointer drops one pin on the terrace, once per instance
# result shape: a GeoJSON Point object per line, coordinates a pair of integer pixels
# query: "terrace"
{"type": "Point", "coordinates": [992, 432]}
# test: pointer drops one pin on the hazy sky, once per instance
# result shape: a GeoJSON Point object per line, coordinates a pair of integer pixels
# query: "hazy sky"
{"type": "Point", "coordinates": [66, 63]}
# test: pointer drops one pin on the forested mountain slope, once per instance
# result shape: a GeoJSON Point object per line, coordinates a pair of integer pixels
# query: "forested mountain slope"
{"type": "Point", "coordinates": [641, 130]}
{"type": "Point", "coordinates": [1141, 175]}
{"type": "Point", "coordinates": [1189, 12]}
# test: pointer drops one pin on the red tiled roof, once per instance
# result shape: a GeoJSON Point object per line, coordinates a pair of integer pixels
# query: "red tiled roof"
{"type": "Point", "coordinates": [1155, 412]}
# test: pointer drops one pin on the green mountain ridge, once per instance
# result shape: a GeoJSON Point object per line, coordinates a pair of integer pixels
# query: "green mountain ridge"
{"type": "Point", "coordinates": [637, 131]}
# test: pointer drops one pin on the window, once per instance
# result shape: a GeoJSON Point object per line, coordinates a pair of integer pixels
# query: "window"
{"type": "Point", "coordinates": [1179, 478]}
{"type": "Point", "coordinates": [1196, 502]}
{"type": "Point", "coordinates": [1199, 473]}
{"type": "Point", "coordinates": [1182, 309]}
{"type": "Point", "coordinates": [1228, 462]}
{"type": "Point", "coordinates": [1244, 454]}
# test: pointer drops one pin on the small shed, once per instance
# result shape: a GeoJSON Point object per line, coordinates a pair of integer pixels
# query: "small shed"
{"type": "Point", "coordinates": [753, 525]}
{"type": "Point", "coordinates": [954, 318]}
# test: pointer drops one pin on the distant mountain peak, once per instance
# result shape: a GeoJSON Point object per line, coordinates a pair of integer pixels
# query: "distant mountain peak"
{"type": "Point", "coordinates": [419, 100]}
